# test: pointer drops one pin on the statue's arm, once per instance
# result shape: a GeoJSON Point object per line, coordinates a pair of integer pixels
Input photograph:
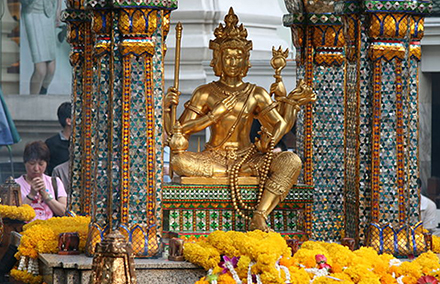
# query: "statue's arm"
{"type": "Point", "coordinates": [286, 110]}
{"type": "Point", "coordinates": [192, 121]}
{"type": "Point", "coordinates": [171, 99]}
{"type": "Point", "coordinates": [202, 111]}
{"type": "Point", "coordinates": [193, 118]}
{"type": "Point", "coordinates": [289, 106]}
{"type": "Point", "coordinates": [289, 113]}
{"type": "Point", "coordinates": [279, 91]}
{"type": "Point", "coordinates": [269, 117]}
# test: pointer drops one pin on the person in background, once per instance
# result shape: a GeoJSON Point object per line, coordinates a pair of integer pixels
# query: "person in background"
{"type": "Point", "coordinates": [40, 18]}
{"type": "Point", "coordinates": [48, 197]}
{"type": "Point", "coordinates": [428, 212]}
{"type": "Point", "coordinates": [59, 143]}
{"type": "Point", "coordinates": [62, 171]}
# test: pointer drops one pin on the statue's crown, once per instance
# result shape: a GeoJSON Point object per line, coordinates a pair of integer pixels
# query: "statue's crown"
{"type": "Point", "coordinates": [230, 35]}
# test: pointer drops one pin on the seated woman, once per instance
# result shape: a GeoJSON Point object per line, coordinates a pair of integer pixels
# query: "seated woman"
{"type": "Point", "coordinates": [37, 189]}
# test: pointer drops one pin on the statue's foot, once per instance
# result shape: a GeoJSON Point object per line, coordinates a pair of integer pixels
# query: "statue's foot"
{"type": "Point", "coordinates": [258, 222]}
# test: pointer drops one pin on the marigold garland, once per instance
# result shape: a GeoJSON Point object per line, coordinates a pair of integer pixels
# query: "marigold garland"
{"type": "Point", "coordinates": [41, 236]}
{"type": "Point", "coordinates": [26, 277]}
{"type": "Point", "coordinates": [232, 254]}
{"type": "Point", "coordinates": [22, 213]}
{"type": "Point", "coordinates": [262, 248]}
{"type": "Point", "coordinates": [435, 244]}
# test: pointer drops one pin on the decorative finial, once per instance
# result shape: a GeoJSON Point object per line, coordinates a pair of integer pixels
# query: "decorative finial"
{"type": "Point", "coordinates": [278, 60]}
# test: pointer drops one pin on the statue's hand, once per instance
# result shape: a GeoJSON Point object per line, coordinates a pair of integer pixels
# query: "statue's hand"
{"type": "Point", "coordinates": [259, 145]}
{"type": "Point", "coordinates": [172, 97]}
{"type": "Point", "coordinates": [302, 95]}
{"type": "Point", "coordinates": [223, 107]}
{"type": "Point", "coordinates": [278, 89]}
{"type": "Point", "coordinates": [263, 142]}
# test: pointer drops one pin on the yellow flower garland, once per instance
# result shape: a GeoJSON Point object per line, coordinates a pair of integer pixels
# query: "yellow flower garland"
{"type": "Point", "coordinates": [435, 244]}
{"type": "Point", "coordinates": [22, 213]}
{"type": "Point", "coordinates": [41, 236]}
{"type": "Point", "coordinates": [26, 277]}
{"type": "Point", "coordinates": [262, 250]}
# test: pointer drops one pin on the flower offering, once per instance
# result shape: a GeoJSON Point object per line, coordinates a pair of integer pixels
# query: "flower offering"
{"type": "Point", "coordinates": [257, 257]}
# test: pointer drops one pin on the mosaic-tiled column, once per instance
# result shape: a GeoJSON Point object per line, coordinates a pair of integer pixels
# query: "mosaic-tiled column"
{"type": "Point", "coordinates": [318, 38]}
{"type": "Point", "coordinates": [352, 207]}
{"type": "Point", "coordinates": [394, 155]}
{"type": "Point", "coordinates": [416, 23]}
{"type": "Point", "coordinates": [126, 121]}
{"type": "Point", "coordinates": [381, 114]}
{"type": "Point", "coordinates": [79, 36]}
{"type": "Point", "coordinates": [368, 151]}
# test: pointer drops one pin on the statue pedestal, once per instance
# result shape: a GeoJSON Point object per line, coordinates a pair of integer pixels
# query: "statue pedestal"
{"type": "Point", "coordinates": [77, 269]}
{"type": "Point", "coordinates": [194, 210]}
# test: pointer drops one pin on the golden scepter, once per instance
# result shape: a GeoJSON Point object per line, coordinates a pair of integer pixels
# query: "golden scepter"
{"type": "Point", "coordinates": [176, 71]}
{"type": "Point", "coordinates": [173, 107]}
{"type": "Point", "coordinates": [278, 63]}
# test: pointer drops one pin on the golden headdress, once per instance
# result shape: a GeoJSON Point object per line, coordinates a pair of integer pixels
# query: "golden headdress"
{"type": "Point", "coordinates": [230, 35]}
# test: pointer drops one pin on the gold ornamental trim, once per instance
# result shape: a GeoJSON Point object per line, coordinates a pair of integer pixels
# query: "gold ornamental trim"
{"type": "Point", "coordinates": [415, 51]}
{"type": "Point", "coordinates": [76, 56]}
{"type": "Point", "coordinates": [102, 46]}
{"type": "Point", "coordinates": [142, 237]}
{"type": "Point", "coordinates": [387, 51]}
{"type": "Point", "coordinates": [137, 48]}
{"type": "Point", "coordinates": [329, 59]}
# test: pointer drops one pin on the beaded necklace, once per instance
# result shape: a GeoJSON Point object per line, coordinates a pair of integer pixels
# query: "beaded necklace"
{"type": "Point", "coordinates": [236, 197]}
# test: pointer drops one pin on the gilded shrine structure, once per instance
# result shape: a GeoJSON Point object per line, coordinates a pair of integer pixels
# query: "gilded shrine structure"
{"type": "Point", "coordinates": [358, 141]}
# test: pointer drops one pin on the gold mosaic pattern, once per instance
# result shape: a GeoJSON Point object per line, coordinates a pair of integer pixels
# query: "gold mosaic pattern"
{"type": "Point", "coordinates": [138, 21]}
{"type": "Point", "coordinates": [401, 241]}
{"type": "Point", "coordinates": [352, 31]}
{"type": "Point", "coordinates": [388, 25]}
{"type": "Point", "coordinates": [417, 27]}
{"type": "Point", "coordinates": [328, 36]}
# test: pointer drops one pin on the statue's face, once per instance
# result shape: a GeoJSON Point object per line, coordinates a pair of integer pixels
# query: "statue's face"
{"type": "Point", "coordinates": [233, 61]}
